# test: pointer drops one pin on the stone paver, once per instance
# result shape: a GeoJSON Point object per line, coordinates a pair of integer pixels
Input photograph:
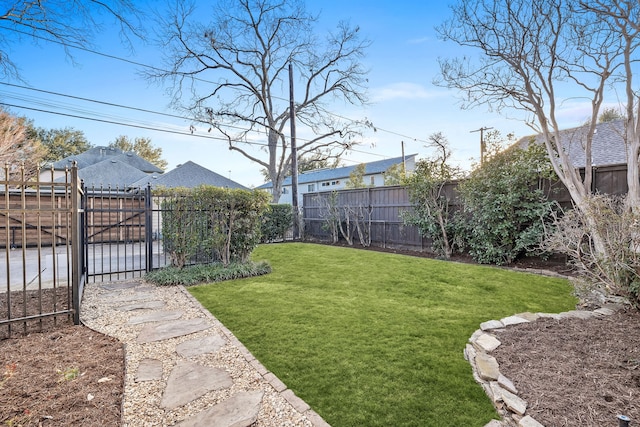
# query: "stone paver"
{"type": "Point", "coordinates": [149, 370]}
{"type": "Point", "coordinates": [142, 305]}
{"type": "Point", "coordinates": [240, 410]}
{"type": "Point", "coordinates": [172, 329]}
{"type": "Point", "coordinates": [507, 384]}
{"type": "Point", "coordinates": [156, 316]}
{"type": "Point", "coordinates": [117, 286]}
{"type": "Point", "coordinates": [208, 344]}
{"type": "Point", "coordinates": [188, 381]}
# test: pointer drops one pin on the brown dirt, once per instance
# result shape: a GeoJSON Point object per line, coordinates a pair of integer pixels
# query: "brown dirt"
{"type": "Point", "coordinates": [572, 372]}
{"type": "Point", "coordinates": [58, 374]}
{"type": "Point", "coordinates": [575, 372]}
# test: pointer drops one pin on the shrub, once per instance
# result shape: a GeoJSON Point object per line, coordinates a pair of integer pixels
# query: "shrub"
{"type": "Point", "coordinates": [431, 201]}
{"type": "Point", "coordinates": [217, 223]}
{"type": "Point", "coordinates": [618, 265]}
{"type": "Point", "coordinates": [183, 228]}
{"type": "Point", "coordinates": [276, 221]}
{"type": "Point", "coordinates": [207, 273]}
{"type": "Point", "coordinates": [504, 208]}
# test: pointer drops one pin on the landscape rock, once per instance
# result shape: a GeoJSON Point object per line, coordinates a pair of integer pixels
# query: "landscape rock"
{"type": "Point", "coordinates": [513, 320]}
{"type": "Point", "coordinates": [529, 422]}
{"type": "Point", "coordinates": [491, 324]}
{"type": "Point", "coordinates": [513, 402]}
{"type": "Point", "coordinates": [487, 367]}
{"type": "Point", "coordinates": [487, 342]}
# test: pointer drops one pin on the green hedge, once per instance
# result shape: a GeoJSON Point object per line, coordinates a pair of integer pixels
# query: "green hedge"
{"type": "Point", "coordinates": [276, 221]}
{"type": "Point", "coordinates": [215, 224]}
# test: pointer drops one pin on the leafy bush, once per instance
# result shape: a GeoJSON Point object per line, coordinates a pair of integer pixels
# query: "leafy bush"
{"type": "Point", "coordinates": [276, 221]}
{"type": "Point", "coordinates": [216, 223]}
{"type": "Point", "coordinates": [504, 209]}
{"type": "Point", "coordinates": [431, 200]}
{"type": "Point", "coordinates": [183, 227]}
{"type": "Point", "coordinates": [207, 273]}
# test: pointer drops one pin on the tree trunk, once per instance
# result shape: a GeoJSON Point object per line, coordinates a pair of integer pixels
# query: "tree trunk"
{"type": "Point", "coordinates": [632, 134]}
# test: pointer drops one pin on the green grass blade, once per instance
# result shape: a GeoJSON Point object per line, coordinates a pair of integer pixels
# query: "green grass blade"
{"type": "Point", "coordinates": [375, 339]}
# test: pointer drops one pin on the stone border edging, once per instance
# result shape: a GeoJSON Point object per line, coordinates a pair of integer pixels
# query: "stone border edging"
{"type": "Point", "coordinates": [486, 371]}
{"type": "Point", "coordinates": [298, 404]}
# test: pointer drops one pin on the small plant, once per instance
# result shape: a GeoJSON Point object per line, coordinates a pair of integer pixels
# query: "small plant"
{"type": "Point", "coordinates": [207, 273]}
{"type": "Point", "coordinates": [68, 374]}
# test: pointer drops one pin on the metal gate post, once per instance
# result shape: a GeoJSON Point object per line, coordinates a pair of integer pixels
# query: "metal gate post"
{"type": "Point", "coordinates": [76, 243]}
{"type": "Point", "coordinates": [148, 226]}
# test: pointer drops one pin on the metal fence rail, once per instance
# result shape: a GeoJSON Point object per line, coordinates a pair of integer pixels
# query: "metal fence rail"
{"type": "Point", "coordinates": [38, 220]}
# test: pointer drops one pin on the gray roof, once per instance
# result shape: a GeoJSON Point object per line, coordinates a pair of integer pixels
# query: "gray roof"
{"type": "Point", "coordinates": [188, 175]}
{"type": "Point", "coordinates": [111, 173]}
{"type": "Point", "coordinates": [371, 168]}
{"type": "Point", "coordinates": [99, 154]}
{"type": "Point", "coordinates": [607, 148]}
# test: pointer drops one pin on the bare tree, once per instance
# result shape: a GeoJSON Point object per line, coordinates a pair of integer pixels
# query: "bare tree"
{"type": "Point", "coordinates": [18, 148]}
{"type": "Point", "coordinates": [72, 23]}
{"type": "Point", "coordinates": [623, 20]}
{"type": "Point", "coordinates": [532, 52]}
{"type": "Point", "coordinates": [245, 52]}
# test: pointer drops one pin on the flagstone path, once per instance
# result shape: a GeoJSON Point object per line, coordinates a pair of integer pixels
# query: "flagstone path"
{"type": "Point", "coordinates": [183, 367]}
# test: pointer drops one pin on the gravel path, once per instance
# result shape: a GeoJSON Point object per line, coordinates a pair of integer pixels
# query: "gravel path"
{"type": "Point", "coordinates": [110, 307]}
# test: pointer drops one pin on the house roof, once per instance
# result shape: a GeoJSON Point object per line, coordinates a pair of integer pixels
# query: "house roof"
{"type": "Point", "coordinates": [187, 175]}
{"type": "Point", "coordinates": [371, 168]}
{"type": "Point", "coordinates": [99, 154]}
{"type": "Point", "coordinates": [111, 173]}
{"type": "Point", "coordinates": [607, 148]}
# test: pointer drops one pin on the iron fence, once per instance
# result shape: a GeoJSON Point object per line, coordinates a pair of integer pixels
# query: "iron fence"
{"type": "Point", "coordinates": [42, 267]}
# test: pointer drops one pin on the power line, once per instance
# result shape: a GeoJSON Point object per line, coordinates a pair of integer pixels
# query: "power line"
{"type": "Point", "coordinates": [117, 120]}
{"type": "Point", "coordinates": [130, 124]}
{"type": "Point", "coordinates": [95, 52]}
{"type": "Point", "coordinates": [175, 132]}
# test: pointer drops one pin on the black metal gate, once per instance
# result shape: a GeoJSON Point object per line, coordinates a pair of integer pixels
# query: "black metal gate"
{"type": "Point", "coordinates": [118, 233]}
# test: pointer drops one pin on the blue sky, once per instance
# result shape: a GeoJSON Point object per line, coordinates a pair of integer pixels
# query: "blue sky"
{"type": "Point", "coordinates": [402, 61]}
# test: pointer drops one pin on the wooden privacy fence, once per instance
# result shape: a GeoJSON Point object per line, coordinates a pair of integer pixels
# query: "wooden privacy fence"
{"type": "Point", "coordinates": [380, 208]}
{"type": "Point", "coordinates": [40, 232]}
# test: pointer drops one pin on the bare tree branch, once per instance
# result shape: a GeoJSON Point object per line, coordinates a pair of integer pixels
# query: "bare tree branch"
{"type": "Point", "coordinates": [235, 69]}
{"type": "Point", "coordinates": [69, 22]}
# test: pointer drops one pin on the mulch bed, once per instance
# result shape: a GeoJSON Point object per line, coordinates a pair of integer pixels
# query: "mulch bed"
{"type": "Point", "coordinates": [575, 372]}
{"type": "Point", "coordinates": [53, 373]}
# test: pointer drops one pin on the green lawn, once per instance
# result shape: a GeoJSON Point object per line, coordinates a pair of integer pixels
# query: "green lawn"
{"type": "Point", "coordinates": [375, 339]}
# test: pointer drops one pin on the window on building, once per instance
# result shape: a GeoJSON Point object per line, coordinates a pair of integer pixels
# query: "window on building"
{"type": "Point", "coordinates": [284, 190]}
{"type": "Point", "coordinates": [311, 187]}
{"type": "Point", "coordinates": [373, 180]}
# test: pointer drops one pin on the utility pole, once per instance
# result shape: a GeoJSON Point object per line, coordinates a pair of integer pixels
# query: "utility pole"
{"type": "Point", "coordinates": [404, 164]}
{"type": "Point", "coordinates": [482, 146]}
{"type": "Point", "coordinates": [294, 158]}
